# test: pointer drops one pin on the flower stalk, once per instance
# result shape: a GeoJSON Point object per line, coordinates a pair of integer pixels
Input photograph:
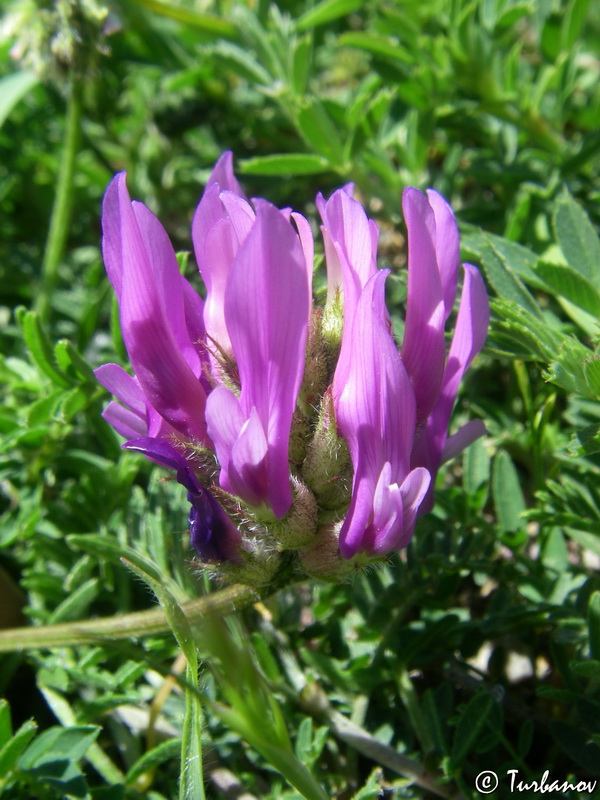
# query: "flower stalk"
{"type": "Point", "coordinates": [138, 625]}
{"type": "Point", "coordinates": [63, 199]}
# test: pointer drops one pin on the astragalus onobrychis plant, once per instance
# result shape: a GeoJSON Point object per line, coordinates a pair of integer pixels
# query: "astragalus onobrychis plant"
{"type": "Point", "coordinates": [304, 436]}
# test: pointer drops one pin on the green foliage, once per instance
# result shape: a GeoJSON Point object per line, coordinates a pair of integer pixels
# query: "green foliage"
{"type": "Point", "coordinates": [479, 647]}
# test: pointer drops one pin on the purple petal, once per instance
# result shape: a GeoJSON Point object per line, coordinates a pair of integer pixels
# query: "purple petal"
{"type": "Point", "coordinates": [126, 422]}
{"type": "Point", "coordinates": [124, 387]}
{"type": "Point", "coordinates": [143, 268]}
{"type": "Point", "coordinates": [469, 336]}
{"type": "Point", "coordinates": [224, 419]}
{"type": "Point", "coordinates": [213, 535]}
{"type": "Point", "coordinates": [375, 412]}
{"type": "Point", "coordinates": [463, 437]}
{"type": "Point", "coordinates": [423, 347]}
{"type": "Point", "coordinates": [223, 174]}
{"type": "Point", "coordinates": [308, 247]}
{"type": "Point", "coordinates": [266, 311]}
{"type": "Point", "coordinates": [221, 223]}
{"type": "Point", "coordinates": [350, 246]}
{"type": "Point", "coordinates": [248, 468]}
{"type": "Point", "coordinates": [447, 247]}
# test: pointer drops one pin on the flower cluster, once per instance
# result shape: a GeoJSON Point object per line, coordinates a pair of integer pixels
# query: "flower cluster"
{"type": "Point", "coordinates": [292, 427]}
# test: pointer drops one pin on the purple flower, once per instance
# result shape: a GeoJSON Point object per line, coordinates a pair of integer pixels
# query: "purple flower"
{"type": "Point", "coordinates": [161, 320]}
{"type": "Point", "coordinates": [375, 411]}
{"type": "Point", "coordinates": [222, 393]}
{"type": "Point", "coordinates": [266, 311]}
{"type": "Point", "coordinates": [433, 265]}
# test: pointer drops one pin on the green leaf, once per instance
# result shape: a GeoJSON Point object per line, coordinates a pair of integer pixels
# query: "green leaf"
{"type": "Point", "coordinates": [508, 497]}
{"type": "Point", "coordinates": [525, 737]}
{"type": "Point", "coordinates": [586, 669]}
{"type": "Point", "coordinates": [470, 726]}
{"type": "Point", "coordinates": [207, 23]}
{"type": "Point", "coordinates": [319, 131]}
{"type": "Point", "coordinates": [501, 270]}
{"type": "Point", "coordinates": [377, 45]}
{"type": "Point", "coordinates": [566, 282]}
{"type": "Point", "coordinates": [75, 401]}
{"type": "Point", "coordinates": [585, 441]}
{"type": "Point", "coordinates": [241, 62]}
{"type": "Point", "coordinates": [577, 745]}
{"type": "Point", "coordinates": [521, 334]}
{"type": "Point", "coordinates": [42, 411]}
{"type": "Point", "coordinates": [76, 604]}
{"type": "Point", "coordinates": [373, 788]}
{"type": "Point", "coordinates": [591, 370]}
{"type": "Point", "coordinates": [568, 368]}
{"type": "Point", "coordinates": [58, 743]}
{"type": "Point", "coordinates": [284, 164]}
{"type": "Point", "coordinates": [13, 88]}
{"type": "Point", "coordinates": [166, 751]}
{"type": "Point", "coordinates": [72, 362]}
{"type": "Point", "coordinates": [326, 11]}
{"type": "Point", "coordinates": [39, 347]}
{"type": "Point", "coordinates": [594, 625]}
{"type": "Point", "coordinates": [577, 238]}
{"type": "Point", "coordinates": [577, 11]}
{"type": "Point", "coordinates": [435, 725]}
{"type": "Point", "coordinates": [302, 64]}
{"type": "Point", "coordinates": [591, 541]}
{"type": "Point", "coordinates": [476, 462]}
{"type": "Point", "coordinates": [111, 550]}
{"type": "Point", "coordinates": [11, 751]}
{"type": "Point", "coordinates": [5, 723]}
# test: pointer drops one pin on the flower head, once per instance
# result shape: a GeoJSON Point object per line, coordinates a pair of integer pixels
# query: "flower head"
{"type": "Point", "coordinates": [288, 430]}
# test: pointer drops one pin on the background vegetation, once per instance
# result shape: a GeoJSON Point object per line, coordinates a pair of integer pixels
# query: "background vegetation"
{"type": "Point", "coordinates": [476, 649]}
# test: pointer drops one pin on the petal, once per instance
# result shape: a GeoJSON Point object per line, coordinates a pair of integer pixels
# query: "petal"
{"type": "Point", "coordinates": [224, 420]}
{"type": "Point", "coordinates": [240, 214]}
{"type": "Point", "coordinates": [248, 468]}
{"type": "Point", "coordinates": [222, 221]}
{"type": "Point", "coordinates": [160, 451]}
{"type": "Point", "coordinates": [134, 245]}
{"type": "Point", "coordinates": [423, 347]}
{"type": "Point", "coordinates": [124, 387]}
{"type": "Point", "coordinates": [308, 247]}
{"type": "Point", "coordinates": [375, 412]}
{"type": "Point", "coordinates": [447, 247]}
{"type": "Point", "coordinates": [266, 309]}
{"type": "Point", "coordinates": [376, 394]}
{"type": "Point", "coordinates": [469, 336]}
{"type": "Point", "coordinates": [354, 237]}
{"type": "Point", "coordinates": [463, 437]}
{"type": "Point", "coordinates": [126, 422]}
{"type": "Point", "coordinates": [414, 491]}
{"type": "Point", "coordinates": [223, 174]}
{"type": "Point", "coordinates": [170, 284]}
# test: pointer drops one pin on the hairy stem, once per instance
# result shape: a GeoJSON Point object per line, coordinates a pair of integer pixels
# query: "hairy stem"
{"type": "Point", "coordinates": [129, 626]}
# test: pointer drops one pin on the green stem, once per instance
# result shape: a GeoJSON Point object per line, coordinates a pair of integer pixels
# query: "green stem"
{"type": "Point", "coordinates": [63, 201]}
{"type": "Point", "coordinates": [129, 626]}
{"type": "Point", "coordinates": [380, 753]}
